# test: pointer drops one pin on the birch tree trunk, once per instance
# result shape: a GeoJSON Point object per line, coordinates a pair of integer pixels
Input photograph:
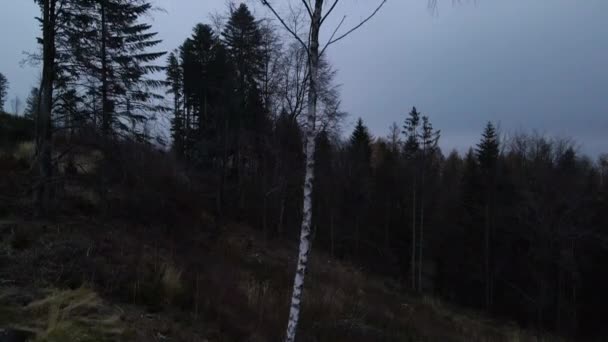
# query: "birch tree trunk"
{"type": "Point", "coordinates": [314, 54]}
{"type": "Point", "coordinates": [311, 118]}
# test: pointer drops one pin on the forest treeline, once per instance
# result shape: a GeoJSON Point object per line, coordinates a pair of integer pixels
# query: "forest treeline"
{"type": "Point", "coordinates": [516, 226]}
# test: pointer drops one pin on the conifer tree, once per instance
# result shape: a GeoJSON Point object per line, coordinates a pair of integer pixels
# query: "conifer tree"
{"type": "Point", "coordinates": [243, 39]}
{"type": "Point", "coordinates": [359, 176]}
{"type": "Point", "coordinates": [488, 149]}
{"type": "Point", "coordinates": [411, 149]}
{"type": "Point", "coordinates": [110, 45]}
{"type": "Point", "coordinates": [175, 79]}
{"type": "Point", "coordinates": [487, 156]}
{"type": "Point", "coordinates": [3, 90]}
{"type": "Point", "coordinates": [429, 139]}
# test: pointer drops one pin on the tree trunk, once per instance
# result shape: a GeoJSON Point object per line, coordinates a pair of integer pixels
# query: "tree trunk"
{"type": "Point", "coordinates": [357, 235]}
{"type": "Point", "coordinates": [421, 235]}
{"type": "Point", "coordinates": [281, 215]}
{"type": "Point", "coordinates": [413, 261]}
{"type": "Point", "coordinates": [304, 250]}
{"type": "Point", "coordinates": [105, 110]}
{"type": "Point", "coordinates": [387, 225]}
{"type": "Point", "coordinates": [487, 257]}
{"type": "Point", "coordinates": [331, 234]}
{"type": "Point", "coordinates": [420, 242]}
{"type": "Point", "coordinates": [44, 119]}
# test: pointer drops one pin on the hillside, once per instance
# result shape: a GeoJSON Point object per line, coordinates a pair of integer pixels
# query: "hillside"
{"type": "Point", "coordinates": [122, 265]}
{"type": "Point", "coordinates": [232, 287]}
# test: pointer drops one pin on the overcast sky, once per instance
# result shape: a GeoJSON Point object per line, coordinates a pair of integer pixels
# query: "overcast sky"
{"type": "Point", "coordinates": [534, 64]}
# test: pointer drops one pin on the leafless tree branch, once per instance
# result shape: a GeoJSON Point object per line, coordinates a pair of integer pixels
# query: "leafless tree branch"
{"type": "Point", "coordinates": [307, 8]}
{"type": "Point", "coordinates": [331, 9]}
{"type": "Point", "coordinates": [333, 35]}
{"type": "Point", "coordinates": [356, 26]}
{"type": "Point", "coordinates": [292, 32]}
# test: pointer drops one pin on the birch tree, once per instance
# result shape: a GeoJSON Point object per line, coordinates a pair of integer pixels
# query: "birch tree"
{"type": "Point", "coordinates": [317, 15]}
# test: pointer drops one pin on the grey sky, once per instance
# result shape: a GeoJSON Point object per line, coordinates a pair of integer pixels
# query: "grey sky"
{"type": "Point", "coordinates": [534, 64]}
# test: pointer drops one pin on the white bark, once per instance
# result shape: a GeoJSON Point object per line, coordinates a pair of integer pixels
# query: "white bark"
{"type": "Point", "coordinates": [314, 55]}
{"type": "Point", "coordinates": [311, 118]}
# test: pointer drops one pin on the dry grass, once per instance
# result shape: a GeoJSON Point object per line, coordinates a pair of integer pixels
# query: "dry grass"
{"type": "Point", "coordinates": [236, 288]}
{"type": "Point", "coordinates": [68, 315]}
{"type": "Point", "coordinates": [25, 151]}
{"type": "Point", "coordinates": [171, 282]}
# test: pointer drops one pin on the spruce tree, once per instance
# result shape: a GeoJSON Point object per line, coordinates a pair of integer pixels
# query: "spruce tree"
{"type": "Point", "coordinates": [487, 155]}
{"type": "Point", "coordinates": [110, 45]}
{"type": "Point", "coordinates": [175, 80]}
{"type": "Point", "coordinates": [410, 130]}
{"type": "Point", "coordinates": [243, 39]}
{"type": "Point", "coordinates": [487, 150]}
{"type": "Point", "coordinates": [359, 179]}
{"type": "Point", "coordinates": [429, 139]}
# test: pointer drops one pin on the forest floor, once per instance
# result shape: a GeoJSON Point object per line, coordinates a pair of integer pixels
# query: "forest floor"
{"type": "Point", "coordinates": [79, 280]}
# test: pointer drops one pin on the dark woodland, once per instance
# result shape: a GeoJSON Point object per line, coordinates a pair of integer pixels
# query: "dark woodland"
{"type": "Point", "coordinates": [513, 231]}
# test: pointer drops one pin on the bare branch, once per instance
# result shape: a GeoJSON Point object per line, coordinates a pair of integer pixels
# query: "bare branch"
{"type": "Point", "coordinates": [333, 35]}
{"type": "Point", "coordinates": [292, 32]}
{"type": "Point", "coordinates": [357, 26]}
{"type": "Point", "coordinates": [307, 8]}
{"type": "Point", "coordinates": [331, 9]}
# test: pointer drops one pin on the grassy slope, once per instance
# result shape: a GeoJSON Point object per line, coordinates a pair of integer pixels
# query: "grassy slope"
{"type": "Point", "coordinates": [231, 288]}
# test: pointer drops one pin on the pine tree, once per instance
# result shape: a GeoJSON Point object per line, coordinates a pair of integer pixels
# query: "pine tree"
{"type": "Point", "coordinates": [243, 39]}
{"type": "Point", "coordinates": [3, 90]}
{"type": "Point", "coordinates": [487, 155]}
{"type": "Point", "coordinates": [410, 130]}
{"type": "Point", "coordinates": [429, 139]}
{"type": "Point", "coordinates": [359, 177]}
{"type": "Point", "coordinates": [175, 80]}
{"type": "Point", "coordinates": [411, 149]}
{"type": "Point", "coordinates": [360, 144]}
{"type": "Point", "coordinates": [487, 150]}
{"type": "Point", "coordinates": [109, 44]}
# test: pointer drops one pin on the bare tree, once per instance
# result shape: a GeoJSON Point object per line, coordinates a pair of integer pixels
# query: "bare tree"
{"type": "Point", "coordinates": [314, 52]}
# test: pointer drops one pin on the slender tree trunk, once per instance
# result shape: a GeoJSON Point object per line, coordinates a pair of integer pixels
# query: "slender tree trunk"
{"type": "Point", "coordinates": [558, 314]}
{"type": "Point", "coordinates": [331, 234]}
{"type": "Point", "coordinates": [357, 235]}
{"type": "Point", "coordinates": [421, 235]}
{"type": "Point", "coordinates": [413, 261]}
{"type": "Point", "coordinates": [296, 298]}
{"type": "Point", "coordinates": [421, 241]}
{"type": "Point", "coordinates": [44, 119]}
{"type": "Point", "coordinates": [281, 215]}
{"type": "Point", "coordinates": [105, 110]}
{"type": "Point", "coordinates": [387, 225]}
{"type": "Point", "coordinates": [487, 257]}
